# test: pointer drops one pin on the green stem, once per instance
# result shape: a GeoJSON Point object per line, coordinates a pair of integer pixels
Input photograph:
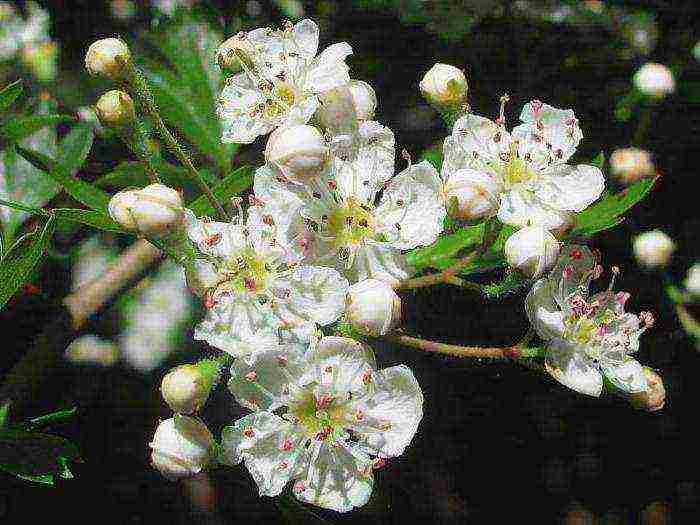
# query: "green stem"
{"type": "Point", "coordinates": [514, 352]}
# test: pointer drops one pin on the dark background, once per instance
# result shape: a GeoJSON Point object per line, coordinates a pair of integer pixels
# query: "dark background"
{"type": "Point", "coordinates": [497, 442]}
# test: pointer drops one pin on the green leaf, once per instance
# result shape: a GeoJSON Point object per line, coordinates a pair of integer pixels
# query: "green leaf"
{"type": "Point", "coordinates": [4, 414]}
{"type": "Point", "coordinates": [434, 156]}
{"type": "Point", "coordinates": [10, 93]}
{"type": "Point", "coordinates": [93, 218]}
{"type": "Point", "coordinates": [76, 188]}
{"type": "Point", "coordinates": [47, 419]}
{"type": "Point", "coordinates": [19, 206]}
{"type": "Point", "coordinates": [512, 282]}
{"type": "Point", "coordinates": [134, 174]}
{"type": "Point", "coordinates": [447, 249]}
{"type": "Point", "coordinates": [19, 129]}
{"type": "Point", "coordinates": [75, 147]}
{"type": "Point", "coordinates": [233, 184]}
{"type": "Point", "coordinates": [18, 265]}
{"type": "Point", "coordinates": [608, 211]}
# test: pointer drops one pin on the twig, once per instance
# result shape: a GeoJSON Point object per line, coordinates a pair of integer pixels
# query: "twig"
{"type": "Point", "coordinates": [509, 352]}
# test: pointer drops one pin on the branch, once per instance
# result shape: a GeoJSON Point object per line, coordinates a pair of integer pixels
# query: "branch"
{"type": "Point", "coordinates": [509, 352]}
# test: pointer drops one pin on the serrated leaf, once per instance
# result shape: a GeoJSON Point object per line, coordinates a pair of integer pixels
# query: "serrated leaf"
{"type": "Point", "coordinates": [47, 419]}
{"type": "Point", "coordinates": [608, 211]}
{"type": "Point", "coordinates": [18, 265]}
{"type": "Point", "coordinates": [233, 184]}
{"type": "Point", "coordinates": [20, 128]}
{"type": "Point", "coordinates": [10, 93]}
{"type": "Point", "coordinates": [81, 191]}
{"type": "Point", "coordinates": [75, 146]}
{"type": "Point", "coordinates": [93, 218]}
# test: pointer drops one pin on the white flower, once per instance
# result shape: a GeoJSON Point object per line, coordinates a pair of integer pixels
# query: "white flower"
{"type": "Point", "coordinates": [653, 249]}
{"type": "Point", "coordinates": [358, 218]}
{"type": "Point", "coordinates": [654, 80]}
{"type": "Point", "coordinates": [297, 152]}
{"type": "Point", "coordinates": [152, 210]}
{"type": "Point", "coordinates": [692, 280]}
{"type": "Point", "coordinates": [281, 79]}
{"type": "Point", "coordinates": [364, 98]}
{"type": "Point", "coordinates": [532, 250]}
{"type": "Point", "coordinates": [182, 447]}
{"type": "Point", "coordinates": [373, 307]}
{"type": "Point", "coordinates": [107, 57]}
{"type": "Point", "coordinates": [523, 175]}
{"type": "Point", "coordinates": [589, 337]}
{"type": "Point", "coordinates": [629, 165]}
{"type": "Point", "coordinates": [257, 291]}
{"type": "Point", "coordinates": [338, 418]}
{"type": "Point", "coordinates": [444, 87]}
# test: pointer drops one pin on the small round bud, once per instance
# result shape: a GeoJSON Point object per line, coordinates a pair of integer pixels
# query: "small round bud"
{"type": "Point", "coordinates": [299, 152]}
{"type": "Point", "coordinates": [692, 280]}
{"type": "Point", "coordinates": [336, 111]}
{"type": "Point", "coordinates": [373, 308]}
{"type": "Point", "coordinates": [471, 195]}
{"type": "Point", "coordinates": [108, 57]}
{"type": "Point", "coordinates": [150, 210]}
{"type": "Point", "coordinates": [654, 397]}
{"type": "Point", "coordinates": [186, 388]}
{"type": "Point", "coordinates": [653, 249]}
{"type": "Point", "coordinates": [115, 109]}
{"type": "Point", "coordinates": [445, 87]}
{"type": "Point", "coordinates": [182, 447]}
{"type": "Point", "coordinates": [629, 165]}
{"type": "Point", "coordinates": [533, 250]}
{"type": "Point", "coordinates": [654, 80]}
{"type": "Point", "coordinates": [364, 99]}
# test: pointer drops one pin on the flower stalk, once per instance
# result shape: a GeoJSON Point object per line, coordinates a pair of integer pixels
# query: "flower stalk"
{"type": "Point", "coordinates": [508, 352]}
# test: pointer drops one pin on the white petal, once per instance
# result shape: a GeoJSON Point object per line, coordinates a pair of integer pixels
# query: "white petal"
{"type": "Point", "coordinates": [219, 239]}
{"type": "Point", "coordinates": [234, 109]}
{"type": "Point", "coordinates": [572, 273]}
{"type": "Point", "coordinates": [381, 261]}
{"type": "Point", "coordinates": [341, 365]}
{"type": "Point", "coordinates": [573, 369]}
{"type": "Point", "coordinates": [626, 375]}
{"type": "Point", "coordinates": [329, 69]}
{"type": "Point", "coordinates": [337, 478]}
{"type": "Point", "coordinates": [262, 441]}
{"type": "Point", "coordinates": [477, 192]}
{"type": "Point", "coordinates": [558, 127]}
{"type": "Point", "coordinates": [571, 188]}
{"type": "Point", "coordinates": [474, 141]}
{"type": "Point", "coordinates": [543, 312]}
{"type": "Point", "coordinates": [305, 35]}
{"type": "Point", "coordinates": [520, 207]}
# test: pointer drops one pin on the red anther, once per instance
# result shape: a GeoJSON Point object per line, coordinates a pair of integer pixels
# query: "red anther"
{"type": "Point", "coordinates": [576, 254]}
{"type": "Point", "coordinates": [299, 486]}
{"type": "Point", "coordinates": [213, 240]}
{"type": "Point", "coordinates": [210, 302]}
{"type": "Point", "coordinates": [571, 121]}
{"type": "Point", "coordinates": [536, 106]}
{"type": "Point", "coordinates": [324, 401]}
{"type": "Point", "coordinates": [379, 463]}
{"type": "Point", "coordinates": [512, 353]}
{"type": "Point", "coordinates": [568, 272]}
{"type": "Point", "coordinates": [251, 376]}
{"type": "Point", "coordinates": [359, 415]}
{"type": "Point", "coordinates": [283, 465]}
{"type": "Point", "coordinates": [323, 435]}
{"type": "Point", "coordinates": [367, 377]}
{"type": "Point", "coordinates": [267, 219]}
{"type": "Point", "coordinates": [332, 185]}
{"type": "Point", "coordinates": [622, 298]}
{"type": "Point", "coordinates": [248, 432]}
{"type": "Point", "coordinates": [328, 369]}
{"type": "Point", "coordinates": [31, 289]}
{"type": "Point", "coordinates": [287, 445]}
{"type": "Point", "coordinates": [249, 284]}
{"type": "Point", "coordinates": [282, 360]}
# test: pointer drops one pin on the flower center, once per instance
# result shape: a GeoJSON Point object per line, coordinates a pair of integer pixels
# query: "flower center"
{"type": "Point", "coordinates": [279, 100]}
{"type": "Point", "coordinates": [351, 223]}
{"type": "Point", "coordinates": [321, 416]}
{"type": "Point", "coordinates": [250, 272]}
{"type": "Point", "coordinates": [517, 171]}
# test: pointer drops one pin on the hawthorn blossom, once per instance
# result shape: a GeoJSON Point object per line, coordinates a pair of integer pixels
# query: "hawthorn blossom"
{"type": "Point", "coordinates": [323, 419]}
{"type": "Point", "coordinates": [281, 78]}
{"type": "Point", "coordinates": [521, 176]}
{"type": "Point", "coordinates": [357, 216]}
{"type": "Point", "coordinates": [588, 337]}
{"type": "Point", "coordinates": [250, 291]}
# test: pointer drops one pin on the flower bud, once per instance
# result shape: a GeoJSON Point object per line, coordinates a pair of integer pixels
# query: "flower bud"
{"type": "Point", "coordinates": [336, 111]}
{"type": "Point", "coordinates": [363, 98]}
{"type": "Point", "coordinates": [654, 80]}
{"type": "Point", "coordinates": [653, 249]}
{"type": "Point", "coordinates": [201, 276]}
{"type": "Point", "coordinates": [654, 397]}
{"type": "Point", "coordinates": [108, 57]}
{"type": "Point", "coordinates": [299, 152]}
{"type": "Point", "coordinates": [692, 280]}
{"type": "Point", "coordinates": [92, 350]}
{"type": "Point", "coordinates": [373, 308]}
{"type": "Point", "coordinates": [471, 195]}
{"type": "Point", "coordinates": [151, 210]}
{"type": "Point", "coordinates": [115, 109]}
{"type": "Point", "coordinates": [445, 87]}
{"type": "Point", "coordinates": [629, 165]}
{"type": "Point", "coordinates": [186, 388]}
{"type": "Point", "coordinates": [182, 447]}
{"type": "Point", "coordinates": [234, 53]}
{"type": "Point", "coordinates": [533, 250]}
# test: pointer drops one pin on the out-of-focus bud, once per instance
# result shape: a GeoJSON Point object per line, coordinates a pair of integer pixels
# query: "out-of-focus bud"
{"type": "Point", "coordinates": [469, 198]}
{"type": "Point", "coordinates": [629, 165]}
{"type": "Point", "coordinates": [364, 98]}
{"type": "Point", "coordinates": [445, 87]}
{"type": "Point", "coordinates": [201, 276]}
{"type": "Point", "coordinates": [92, 350]}
{"type": "Point", "coordinates": [653, 249]}
{"type": "Point", "coordinates": [655, 396]}
{"type": "Point", "coordinates": [234, 52]}
{"type": "Point", "coordinates": [692, 280]}
{"type": "Point", "coordinates": [533, 250]}
{"type": "Point", "coordinates": [182, 447]}
{"type": "Point", "coordinates": [299, 152]}
{"type": "Point", "coordinates": [654, 80]}
{"type": "Point", "coordinates": [152, 210]}
{"type": "Point", "coordinates": [115, 109]}
{"type": "Point", "coordinates": [186, 388]}
{"type": "Point", "coordinates": [108, 57]}
{"type": "Point", "coordinates": [373, 308]}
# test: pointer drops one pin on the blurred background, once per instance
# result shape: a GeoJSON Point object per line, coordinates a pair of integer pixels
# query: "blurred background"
{"type": "Point", "coordinates": [496, 441]}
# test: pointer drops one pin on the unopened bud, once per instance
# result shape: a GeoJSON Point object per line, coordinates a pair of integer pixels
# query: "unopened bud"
{"type": "Point", "coordinates": [445, 87]}
{"type": "Point", "coordinates": [201, 276]}
{"type": "Point", "coordinates": [182, 447]}
{"type": "Point", "coordinates": [653, 249]}
{"type": "Point", "coordinates": [373, 308]}
{"type": "Point", "coordinates": [533, 250]}
{"type": "Point", "coordinates": [654, 397]}
{"type": "Point", "coordinates": [186, 388]}
{"type": "Point", "coordinates": [364, 99]}
{"type": "Point", "coordinates": [692, 280]}
{"type": "Point", "coordinates": [108, 57]}
{"type": "Point", "coordinates": [233, 52]}
{"type": "Point", "coordinates": [654, 80]}
{"type": "Point", "coordinates": [471, 195]}
{"type": "Point", "coordinates": [629, 165]}
{"type": "Point", "coordinates": [151, 210]}
{"type": "Point", "coordinates": [336, 111]}
{"type": "Point", "coordinates": [115, 109]}
{"type": "Point", "coordinates": [299, 152]}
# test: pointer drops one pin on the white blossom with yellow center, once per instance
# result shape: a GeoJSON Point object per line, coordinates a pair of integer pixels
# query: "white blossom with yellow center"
{"type": "Point", "coordinates": [323, 419]}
